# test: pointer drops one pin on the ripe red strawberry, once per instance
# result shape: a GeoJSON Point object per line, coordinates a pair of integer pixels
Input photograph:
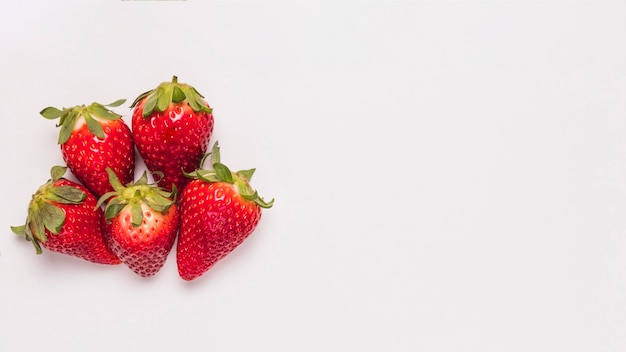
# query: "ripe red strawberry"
{"type": "Point", "coordinates": [142, 223]}
{"type": "Point", "coordinates": [172, 125]}
{"type": "Point", "coordinates": [61, 218]}
{"type": "Point", "coordinates": [93, 138]}
{"type": "Point", "coordinates": [219, 210]}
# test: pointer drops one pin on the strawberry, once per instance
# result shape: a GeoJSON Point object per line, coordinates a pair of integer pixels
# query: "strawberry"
{"type": "Point", "coordinates": [61, 218]}
{"type": "Point", "coordinates": [141, 224]}
{"type": "Point", "coordinates": [172, 125]}
{"type": "Point", "coordinates": [219, 210]}
{"type": "Point", "coordinates": [93, 138]}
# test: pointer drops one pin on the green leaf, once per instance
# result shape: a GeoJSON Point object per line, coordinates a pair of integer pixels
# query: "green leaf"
{"type": "Point", "coordinates": [143, 180]}
{"type": "Point", "coordinates": [51, 113]}
{"type": "Point", "coordinates": [116, 103]}
{"type": "Point", "coordinates": [202, 160]}
{"type": "Point", "coordinates": [165, 97]}
{"type": "Point", "coordinates": [199, 98]}
{"type": "Point", "coordinates": [197, 93]}
{"type": "Point", "coordinates": [223, 173]}
{"type": "Point", "coordinates": [102, 112]}
{"type": "Point", "coordinates": [252, 196]}
{"type": "Point", "coordinates": [263, 204]}
{"type": "Point", "coordinates": [157, 204]}
{"type": "Point", "coordinates": [154, 206]}
{"type": "Point", "coordinates": [52, 217]}
{"type": "Point", "coordinates": [159, 200]}
{"type": "Point", "coordinates": [173, 194]}
{"type": "Point", "coordinates": [113, 208]}
{"type": "Point", "coordinates": [104, 198]}
{"type": "Point", "coordinates": [66, 195]}
{"type": "Point", "coordinates": [193, 174]}
{"type": "Point", "coordinates": [57, 172]}
{"type": "Point", "coordinates": [37, 246]}
{"type": "Point", "coordinates": [150, 104]}
{"type": "Point", "coordinates": [136, 213]}
{"type": "Point", "coordinates": [19, 230]}
{"type": "Point", "coordinates": [164, 193]}
{"type": "Point", "coordinates": [140, 97]}
{"type": "Point", "coordinates": [28, 236]}
{"type": "Point", "coordinates": [215, 153]}
{"type": "Point", "coordinates": [202, 104]}
{"type": "Point", "coordinates": [67, 127]}
{"type": "Point", "coordinates": [207, 176]}
{"type": "Point", "coordinates": [177, 95]}
{"type": "Point", "coordinates": [247, 174]}
{"type": "Point", "coordinates": [114, 181]}
{"type": "Point", "coordinates": [94, 126]}
{"type": "Point", "coordinates": [40, 231]}
{"type": "Point", "coordinates": [191, 98]}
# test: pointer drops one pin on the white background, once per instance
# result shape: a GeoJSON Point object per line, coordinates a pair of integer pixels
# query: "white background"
{"type": "Point", "coordinates": [449, 176]}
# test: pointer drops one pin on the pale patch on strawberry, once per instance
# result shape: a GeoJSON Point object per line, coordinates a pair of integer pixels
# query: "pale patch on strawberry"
{"type": "Point", "coordinates": [149, 225]}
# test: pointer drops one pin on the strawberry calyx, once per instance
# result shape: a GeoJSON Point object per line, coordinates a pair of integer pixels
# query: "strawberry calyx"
{"type": "Point", "coordinates": [168, 93]}
{"type": "Point", "coordinates": [134, 195]}
{"type": "Point", "coordinates": [43, 214]}
{"type": "Point", "coordinates": [91, 115]}
{"type": "Point", "coordinates": [221, 173]}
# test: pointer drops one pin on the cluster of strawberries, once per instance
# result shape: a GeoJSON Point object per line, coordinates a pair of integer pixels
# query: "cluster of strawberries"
{"type": "Point", "coordinates": [109, 218]}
